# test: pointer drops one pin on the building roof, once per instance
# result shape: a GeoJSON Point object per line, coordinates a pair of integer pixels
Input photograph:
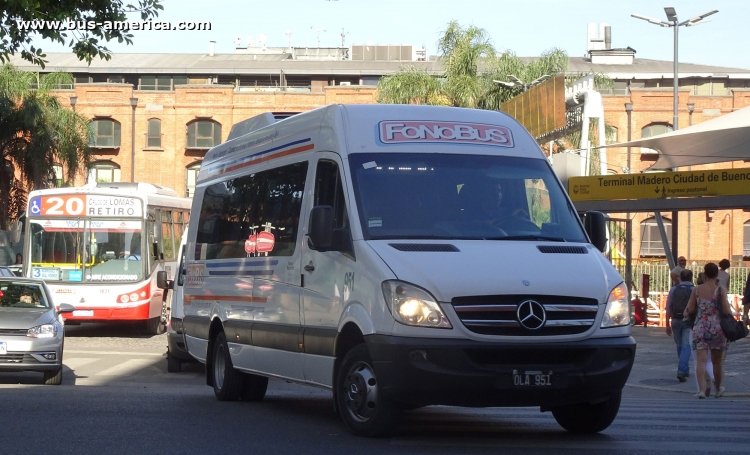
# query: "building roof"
{"type": "Point", "coordinates": [245, 63]}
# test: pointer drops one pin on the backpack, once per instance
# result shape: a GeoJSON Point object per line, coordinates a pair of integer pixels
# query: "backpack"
{"type": "Point", "coordinates": [680, 297]}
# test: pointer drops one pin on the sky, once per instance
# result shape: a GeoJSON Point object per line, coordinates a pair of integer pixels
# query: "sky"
{"type": "Point", "coordinates": [525, 27]}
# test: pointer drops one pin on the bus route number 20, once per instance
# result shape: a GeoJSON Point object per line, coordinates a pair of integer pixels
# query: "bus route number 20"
{"type": "Point", "coordinates": [74, 205]}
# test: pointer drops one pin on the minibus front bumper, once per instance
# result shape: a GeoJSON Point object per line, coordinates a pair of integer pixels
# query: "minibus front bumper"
{"type": "Point", "coordinates": [417, 372]}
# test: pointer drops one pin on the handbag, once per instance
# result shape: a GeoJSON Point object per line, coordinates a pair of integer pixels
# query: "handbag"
{"type": "Point", "coordinates": [733, 329]}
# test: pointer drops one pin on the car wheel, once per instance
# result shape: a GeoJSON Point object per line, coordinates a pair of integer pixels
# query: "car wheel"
{"type": "Point", "coordinates": [227, 381]}
{"type": "Point", "coordinates": [154, 326]}
{"type": "Point", "coordinates": [586, 417]}
{"type": "Point", "coordinates": [53, 377]}
{"type": "Point", "coordinates": [254, 387]}
{"type": "Point", "coordinates": [359, 399]}
{"type": "Point", "coordinates": [174, 365]}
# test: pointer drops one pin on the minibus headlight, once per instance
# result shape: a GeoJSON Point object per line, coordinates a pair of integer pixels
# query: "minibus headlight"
{"type": "Point", "coordinates": [617, 312]}
{"type": "Point", "coordinates": [412, 305]}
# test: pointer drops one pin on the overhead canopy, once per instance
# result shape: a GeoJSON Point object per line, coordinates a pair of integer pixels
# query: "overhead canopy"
{"type": "Point", "coordinates": [725, 138]}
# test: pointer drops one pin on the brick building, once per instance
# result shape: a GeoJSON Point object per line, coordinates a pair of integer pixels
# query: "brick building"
{"type": "Point", "coordinates": [155, 115]}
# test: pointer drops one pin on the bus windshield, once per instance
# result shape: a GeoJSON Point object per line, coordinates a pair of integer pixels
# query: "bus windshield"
{"type": "Point", "coordinates": [86, 251]}
{"type": "Point", "coordinates": [461, 196]}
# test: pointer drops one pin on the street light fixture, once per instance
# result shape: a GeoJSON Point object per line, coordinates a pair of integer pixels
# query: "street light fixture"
{"type": "Point", "coordinates": [73, 102]}
{"type": "Point", "coordinates": [674, 23]}
{"type": "Point", "coordinates": [516, 82]}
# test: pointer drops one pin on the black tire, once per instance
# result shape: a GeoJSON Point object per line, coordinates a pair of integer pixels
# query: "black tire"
{"type": "Point", "coordinates": [586, 417]}
{"type": "Point", "coordinates": [154, 326]}
{"type": "Point", "coordinates": [227, 381]}
{"type": "Point", "coordinates": [358, 397]}
{"type": "Point", "coordinates": [174, 365]}
{"type": "Point", "coordinates": [53, 377]}
{"type": "Point", "coordinates": [254, 387]}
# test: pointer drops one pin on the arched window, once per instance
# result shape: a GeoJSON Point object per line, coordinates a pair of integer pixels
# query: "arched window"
{"type": "Point", "coordinates": [104, 171]}
{"type": "Point", "coordinates": [654, 129]}
{"type": "Point", "coordinates": [104, 133]}
{"type": "Point", "coordinates": [651, 244]}
{"type": "Point", "coordinates": [191, 178]}
{"type": "Point", "coordinates": [203, 134]}
{"type": "Point", "coordinates": [153, 136]}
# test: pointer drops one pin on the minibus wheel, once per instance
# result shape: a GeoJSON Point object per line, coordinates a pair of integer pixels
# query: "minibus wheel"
{"type": "Point", "coordinates": [358, 396]}
{"type": "Point", "coordinates": [226, 380]}
{"type": "Point", "coordinates": [587, 417]}
{"type": "Point", "coordinates": [254, 387]}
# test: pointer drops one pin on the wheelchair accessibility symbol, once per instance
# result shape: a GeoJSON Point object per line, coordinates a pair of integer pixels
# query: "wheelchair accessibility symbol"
{"type": "Point", "coordinates": [36, 206]}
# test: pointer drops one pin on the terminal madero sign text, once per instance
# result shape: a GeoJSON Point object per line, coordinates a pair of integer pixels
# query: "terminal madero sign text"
{"type": "Point", "coordinates": [714, 182]}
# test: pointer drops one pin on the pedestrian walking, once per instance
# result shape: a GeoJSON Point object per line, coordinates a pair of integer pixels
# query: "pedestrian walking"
{"type": "Point", "coordinates": [679, 327]}
{"type": "Point", "coordinates": [707, 302]}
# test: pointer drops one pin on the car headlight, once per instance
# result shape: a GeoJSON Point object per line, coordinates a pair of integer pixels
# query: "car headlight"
{"type": "Point", "coordinates": [617, 312]}
{"type": "Point", "coordinates": [412, 305]}
{"type": "Point", "coordinates": [42, 331]}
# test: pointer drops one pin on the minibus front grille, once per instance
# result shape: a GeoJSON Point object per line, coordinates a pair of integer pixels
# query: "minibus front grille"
{"type": "Point", "coordinates": [498, 315]}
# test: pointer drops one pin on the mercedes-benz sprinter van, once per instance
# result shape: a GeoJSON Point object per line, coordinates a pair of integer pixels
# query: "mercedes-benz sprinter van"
{"type": "Point", "coordinates": [402, 256]}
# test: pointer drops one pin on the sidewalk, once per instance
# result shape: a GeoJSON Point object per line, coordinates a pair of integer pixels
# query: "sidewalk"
{"type": "Point", "coordinates": [655, 365]}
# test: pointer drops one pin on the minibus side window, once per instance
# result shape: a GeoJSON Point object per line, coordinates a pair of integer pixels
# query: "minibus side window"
{"type": "Point", "coordinates": [329, 191]}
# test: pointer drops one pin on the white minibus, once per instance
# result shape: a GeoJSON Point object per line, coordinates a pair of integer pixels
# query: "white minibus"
{"type": "Point", "coordinates": [402, 256]}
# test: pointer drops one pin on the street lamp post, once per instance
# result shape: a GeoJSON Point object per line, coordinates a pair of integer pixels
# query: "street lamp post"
{"type": "Point", "coordinates": [673, 22]}
{"type": "Point", "coordinates": [629, 222]}
{"type": "Point", "coordinates": [133, 104]}
{"type": "Point", "coordinates": [73, 102]}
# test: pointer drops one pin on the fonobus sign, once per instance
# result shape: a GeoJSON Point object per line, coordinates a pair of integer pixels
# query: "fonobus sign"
{"type": "Point", "coordinates": [714, 182]}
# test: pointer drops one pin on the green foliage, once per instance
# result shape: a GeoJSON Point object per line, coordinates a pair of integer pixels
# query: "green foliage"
{"type": "Point", "coordinates": [87, 40]}
{"type": "Point", "coordinates": [470, 67]}
{"type": "Point", "coordinates": [36, 133]}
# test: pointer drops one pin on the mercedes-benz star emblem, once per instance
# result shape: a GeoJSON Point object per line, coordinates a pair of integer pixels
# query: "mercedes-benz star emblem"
{"type": "Point", "coordinates": [531, 315]}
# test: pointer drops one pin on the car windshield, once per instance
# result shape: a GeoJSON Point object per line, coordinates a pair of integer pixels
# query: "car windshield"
{"type": "Point", "coordinates": [452, 196]}
{"type": "Point", "coordinates": [18, 294]}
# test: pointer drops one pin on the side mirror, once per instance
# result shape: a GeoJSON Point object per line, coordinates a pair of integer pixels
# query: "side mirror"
{"type": "Point", "coordinates": [321, 228]}
{"type": "Point", "coordinates": [162, 282]}
{"type": "Point", "coordinates": [65, 308]}
{"type": "Point", "coordinates": [595, 224]}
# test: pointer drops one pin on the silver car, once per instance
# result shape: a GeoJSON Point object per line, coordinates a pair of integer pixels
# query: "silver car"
{"type": "Point", "coordinates": [31, 329]}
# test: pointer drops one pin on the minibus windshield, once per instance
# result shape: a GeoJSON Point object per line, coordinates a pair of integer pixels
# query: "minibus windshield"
{"type": "Point", "coordinates": [460, 196]}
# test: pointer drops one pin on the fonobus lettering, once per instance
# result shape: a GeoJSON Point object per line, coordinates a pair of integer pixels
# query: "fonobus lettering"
{"type": "Point", "coordinates": [465, 133]}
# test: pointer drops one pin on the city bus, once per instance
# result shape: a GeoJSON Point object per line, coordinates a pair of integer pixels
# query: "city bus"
{"type": "Point", "coordinates": [100, 246]}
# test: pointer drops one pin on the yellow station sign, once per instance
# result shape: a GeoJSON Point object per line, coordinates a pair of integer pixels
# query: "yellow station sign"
{"type": "Point", "coordinates": [661, 185]}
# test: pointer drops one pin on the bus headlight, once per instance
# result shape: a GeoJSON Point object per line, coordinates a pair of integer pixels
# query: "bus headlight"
{"type": "Point", "coordinates": [617, 312]}
{"type": "Point", "coordinates": [412, 305]}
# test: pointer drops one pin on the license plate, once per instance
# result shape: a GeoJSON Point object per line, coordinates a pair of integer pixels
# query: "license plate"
{"type": "Point", "coordinates": [3, 347]}
{"type": "Point", "coordinates": [532, 378]}
{"type": "Point", "coordinates": [83, 313]}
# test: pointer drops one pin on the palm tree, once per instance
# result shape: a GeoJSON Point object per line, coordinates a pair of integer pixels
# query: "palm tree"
{"type": "Point", "coordinates": [470, 68]}
{"type": "Point", "coordinates": [36, 133]}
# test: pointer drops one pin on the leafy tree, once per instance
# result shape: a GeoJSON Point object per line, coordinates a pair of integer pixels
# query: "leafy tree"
{"type": "Point", "coordinates": [76, 31]}
{"type": "Point", "coordinates": [471, 67]}
{"type": "Point", "coordinates": [36, 133]}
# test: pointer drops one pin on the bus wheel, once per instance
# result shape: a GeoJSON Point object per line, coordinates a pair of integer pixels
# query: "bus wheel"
{"type": "Point", "coordinates": [359, 399]}
{"type": "Point", "coordinates": [586, 417]}
{"type": "Point", "coordinates": [254, 387]}
{"type": "Point", "coordinates": [154, 326]}
{"type": "Point", "coordinates": [227, 381]}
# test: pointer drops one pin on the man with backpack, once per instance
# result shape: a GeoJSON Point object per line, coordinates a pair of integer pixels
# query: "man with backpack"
{"type": "Point", "coordinates": [679, 328]}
